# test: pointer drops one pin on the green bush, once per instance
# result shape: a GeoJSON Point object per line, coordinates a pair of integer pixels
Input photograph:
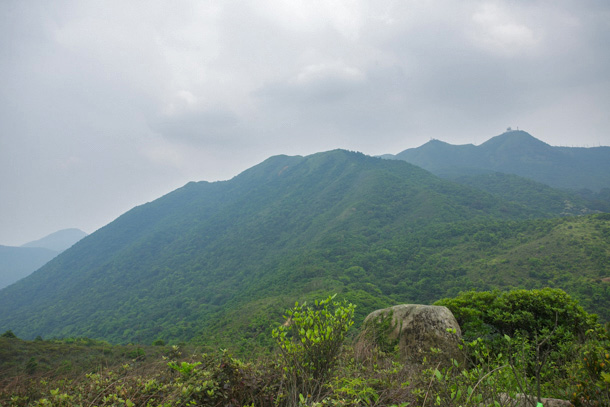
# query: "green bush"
{"type": "Point", "coordinates": [530, 313]}
{"type": "Point", "coordinates": [310, 342]}
{"type": "Point", "coordinates": [543, 335]}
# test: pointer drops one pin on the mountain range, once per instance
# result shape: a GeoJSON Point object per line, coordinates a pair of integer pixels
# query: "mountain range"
{"type": "Point", "coordinates": [519, 153]}
{"type": "Point", "coordinates": [19, 262]}
{"type": "Point", "coordinates": [217, 263]}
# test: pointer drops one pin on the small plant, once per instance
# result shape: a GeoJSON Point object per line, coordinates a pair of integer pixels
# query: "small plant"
{"type": "Point", "coordinates": [185, 369]}
{"type": "Point", "coordinates": [310, 341]}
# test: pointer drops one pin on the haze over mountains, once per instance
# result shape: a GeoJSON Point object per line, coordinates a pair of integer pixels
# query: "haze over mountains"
{"type": "Point", "coordinates": [19, 262]}
{"type": "Point", "coordinates": [217, 262]}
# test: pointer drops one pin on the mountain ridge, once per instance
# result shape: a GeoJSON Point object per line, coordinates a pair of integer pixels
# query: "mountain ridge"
{"type": "Point", "coordinates": [517, 152]}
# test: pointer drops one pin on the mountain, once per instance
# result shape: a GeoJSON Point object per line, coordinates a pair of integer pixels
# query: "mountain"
{"type": "Point", "coordinates": [19, 262]}
{"type": "Point", "coordinates": [58, 241]}
{"type": "Point", "coordinates": [519, 153]}
{"type": "Point", "coordinates": [219, 262]}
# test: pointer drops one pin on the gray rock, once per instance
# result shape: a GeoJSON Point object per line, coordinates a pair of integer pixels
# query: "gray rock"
{"type": "Point", "coordinates": [522, 401]}
{"type": "Point", "coordinates": [414, 330]}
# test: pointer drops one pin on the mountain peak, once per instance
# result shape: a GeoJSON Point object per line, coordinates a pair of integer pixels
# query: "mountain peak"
{"type": "Point", "coordinates": [58, 241]}
{"type": "Point", "coordinates": [514, 139]}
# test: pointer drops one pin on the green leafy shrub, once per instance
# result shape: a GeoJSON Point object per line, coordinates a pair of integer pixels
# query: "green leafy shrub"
{"type": "Point", "coordinates": [310, 342]}
{"type": "Point", "coordinates": [590, 382]}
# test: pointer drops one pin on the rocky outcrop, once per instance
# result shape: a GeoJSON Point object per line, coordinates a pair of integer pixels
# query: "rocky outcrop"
{"type": "Point", "coordinates": [529, 401]}
{"type": "Point", "coordinates": [415, 331]}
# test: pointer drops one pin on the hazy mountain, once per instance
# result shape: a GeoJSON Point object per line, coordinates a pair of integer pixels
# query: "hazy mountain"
{"type": "Point", "coordinates": [19, 262]}
{"type": "Point", "coordinates": [223, 259]}
{"type": "Point", "coordinates": [58, 241]}
{"type": "Point", "coordinates": [518, 153]}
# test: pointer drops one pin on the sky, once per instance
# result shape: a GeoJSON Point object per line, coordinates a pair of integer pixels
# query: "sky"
{"type": "Point", "coordinates": [106, 105]}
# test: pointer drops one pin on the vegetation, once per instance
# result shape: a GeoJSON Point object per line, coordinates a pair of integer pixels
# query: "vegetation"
{"type": "Point", "coordinates": [532, 313]}
{"type": "Point", "coordinates": [576, 369]}
{"type": "Point", "coordinates": [310, 342]}
{"type": "Point", "coordinates": [532, 194]}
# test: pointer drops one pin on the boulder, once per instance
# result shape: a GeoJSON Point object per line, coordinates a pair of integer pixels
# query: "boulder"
{"type": "Point", "coordinates": [415, 331]}
{"type": "Point", "coordinates": [528, 401]}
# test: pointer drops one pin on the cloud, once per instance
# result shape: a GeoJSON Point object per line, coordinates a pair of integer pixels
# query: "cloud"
{"type": "Point", "coordinates": [344, 17]}
{"type": "Point", "coordinates": [322, 83]}
{"type": "Point", "coordinates": [212, 127]}
{"type": "Point", "coordinates": [498, 31]}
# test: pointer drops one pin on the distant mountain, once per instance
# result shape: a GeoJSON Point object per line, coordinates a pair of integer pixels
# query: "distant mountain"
{"type": "Point", "coordinates": [519, 153]}
{"type": "Point", "coordinates": [19, 262]}
{"type": "Point", "coordinates": [219, 262]}
{"type": "Point", "coordinates": [58, 241]}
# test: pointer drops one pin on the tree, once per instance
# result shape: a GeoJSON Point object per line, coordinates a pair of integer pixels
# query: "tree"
{"type": "Point", "coordinates": [8, 334]}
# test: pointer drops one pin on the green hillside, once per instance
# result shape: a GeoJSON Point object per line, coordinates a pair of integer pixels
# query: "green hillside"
{"type": "Point", "coordinates": [535, 195]}
{"type": "Point", "coordinates": [217, 263]}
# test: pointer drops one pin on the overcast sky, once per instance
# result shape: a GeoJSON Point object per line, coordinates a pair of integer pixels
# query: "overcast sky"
{"type": "Point", "coordinates": [105, 105]}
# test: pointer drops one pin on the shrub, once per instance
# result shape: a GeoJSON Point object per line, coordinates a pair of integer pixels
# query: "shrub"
{"type": "Point", "coordinates": [529, 313]}
{"type": "Point", "coordinates": [310, 341]}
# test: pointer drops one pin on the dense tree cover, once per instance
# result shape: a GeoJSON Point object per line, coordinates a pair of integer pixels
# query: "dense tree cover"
{"type": "Point", "coordinates": [535, 195]}
{"type": "Point", "coordinates": [216, 263]}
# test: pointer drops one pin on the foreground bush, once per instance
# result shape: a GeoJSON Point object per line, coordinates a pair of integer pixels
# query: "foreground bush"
{"type": "Point", "coordinates": [310, 342]}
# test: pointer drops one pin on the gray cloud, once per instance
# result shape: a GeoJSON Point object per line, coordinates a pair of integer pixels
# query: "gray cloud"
{"type": "Point", "coordinates": [205, 128]}
{"type": "Point", "coordinates": [104, 106]}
